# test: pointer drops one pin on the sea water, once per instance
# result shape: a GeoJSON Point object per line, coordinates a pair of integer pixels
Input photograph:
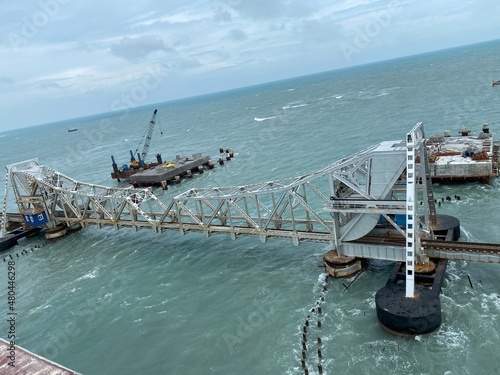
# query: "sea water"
{"type": "Point", "coordinates": [102, 301]}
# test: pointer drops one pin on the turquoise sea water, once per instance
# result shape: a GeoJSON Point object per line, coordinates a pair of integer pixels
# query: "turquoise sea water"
{"type": "Point", "coordinates": [122, 302]}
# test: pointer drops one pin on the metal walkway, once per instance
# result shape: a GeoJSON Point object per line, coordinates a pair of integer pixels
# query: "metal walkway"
{"type": "Point", "coordinates": [339, 204]}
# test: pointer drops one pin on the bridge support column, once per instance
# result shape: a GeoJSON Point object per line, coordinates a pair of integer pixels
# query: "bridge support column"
{"type": "Point", "coordinates": [408, 308]}
{"type": "Point", "coordinates": [411, 316]}
{"type": "Point", "coordinates": [341, 265]}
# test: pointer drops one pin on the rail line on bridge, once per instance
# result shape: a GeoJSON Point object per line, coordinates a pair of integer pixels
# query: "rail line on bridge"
{"type": "Point", "coordinates": [470, 251]}
{"type": "Point", "coordinates": [340, 204]}
{"type": "Point", "coordinates": [376, 204]}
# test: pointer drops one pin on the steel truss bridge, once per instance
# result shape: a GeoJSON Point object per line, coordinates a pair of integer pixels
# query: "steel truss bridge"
{"type": "Point", "coordinates": [342, 204]}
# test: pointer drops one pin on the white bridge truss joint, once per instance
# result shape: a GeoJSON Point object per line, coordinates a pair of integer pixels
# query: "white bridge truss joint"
{"type": "Point", "coordinates": [338, 204]}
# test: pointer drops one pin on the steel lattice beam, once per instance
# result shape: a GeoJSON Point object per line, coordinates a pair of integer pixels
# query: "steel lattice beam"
{"type": "Point", "coordinates": [337, 204]}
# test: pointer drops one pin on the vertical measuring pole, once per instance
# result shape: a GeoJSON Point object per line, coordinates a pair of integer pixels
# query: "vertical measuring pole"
{"type": "Point", "coordinates": [3, 227]}
{"type": "Point", "coordinates": [410, 212]}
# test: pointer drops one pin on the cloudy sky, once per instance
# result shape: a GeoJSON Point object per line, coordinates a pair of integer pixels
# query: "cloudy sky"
{"type": "Point", "coordinates": [63, 59]}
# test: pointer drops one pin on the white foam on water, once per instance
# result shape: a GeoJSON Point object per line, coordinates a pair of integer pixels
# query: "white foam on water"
{"type": "Point", "coordinates": [260, 119]}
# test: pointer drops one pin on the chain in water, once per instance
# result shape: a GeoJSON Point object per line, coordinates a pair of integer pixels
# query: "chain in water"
{"type": "Point", "coordinates": [25, 251]}
{"type": "Point", "coordinates": [313, 349]}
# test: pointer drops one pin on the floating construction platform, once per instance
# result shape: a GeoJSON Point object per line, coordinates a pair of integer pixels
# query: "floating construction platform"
{"type": "Point", "coordinates": [161, 173]}
{"type": "Point", "coordinates": [141, 173]}
{"type": "Point", "coordinates": [466, 157]}
{"type": "Point", "coordinates": [173, 170]}
{"type": "Point", "coordinates": [125, 171]}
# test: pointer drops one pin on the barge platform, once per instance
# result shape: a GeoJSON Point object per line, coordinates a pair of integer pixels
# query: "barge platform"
{"type": "Point", "coordinates": [161, 173]}
{"type": "Point", "coordinates": [463, 158]}
{"type": "Point", "coordinates": [172, 171]}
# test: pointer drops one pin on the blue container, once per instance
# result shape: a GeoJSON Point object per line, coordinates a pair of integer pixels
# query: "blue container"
{"type": "Point", "coordinates": [34, 217]}
{"type": "Point", "coordinates": [400, 220]}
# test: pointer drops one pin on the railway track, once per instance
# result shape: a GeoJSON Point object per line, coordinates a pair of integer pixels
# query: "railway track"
{"type": "Point", "coordinates": [475, 247]}
{"type": "Point", "coordinates": [451, 250]}
{"type": "Point", "coordinates": [469, 251]}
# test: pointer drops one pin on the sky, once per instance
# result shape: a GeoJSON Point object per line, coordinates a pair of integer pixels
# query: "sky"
{"type": "Point", "coordinates": [62, 59]}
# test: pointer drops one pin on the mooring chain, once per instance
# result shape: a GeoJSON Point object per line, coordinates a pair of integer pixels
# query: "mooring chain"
{"type": "Point", "coordinates": [25, 251]}
{"type": "Point", "coordinates": [313, 324]}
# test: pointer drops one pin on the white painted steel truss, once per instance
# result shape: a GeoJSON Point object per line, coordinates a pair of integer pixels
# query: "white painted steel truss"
{"type": "Point", "coordinates": [76, 203]}
{"type": "Point", "coordinates": [299, 208]}
{"type": "Point", "coordinates": [343, 204]}
{"type": "Point", "coordinates": [338, 204]}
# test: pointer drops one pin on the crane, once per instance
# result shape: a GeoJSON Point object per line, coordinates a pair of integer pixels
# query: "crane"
{"type": "Point", "coordinates": [149, 135]}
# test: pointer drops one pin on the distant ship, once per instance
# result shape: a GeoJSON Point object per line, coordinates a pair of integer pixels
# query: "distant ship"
{"type": "Point", "coordinates": [72, 130]}
{"type": "Point", "coordinates": [495, 83]}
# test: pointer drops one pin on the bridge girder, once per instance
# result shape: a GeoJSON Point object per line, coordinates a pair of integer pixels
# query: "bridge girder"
{"type": "Point", "coordinates": [337, 204]}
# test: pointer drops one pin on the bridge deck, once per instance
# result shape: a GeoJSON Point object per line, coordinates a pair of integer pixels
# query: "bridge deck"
{"type": "Point", "coordinates": [375, 248]}
{"type": "Point", "coordinates": [341, 204]}
{"type": "Point", "coordinates": [385, 248]}
{"type": "Point", "coordinates": [27, 363]}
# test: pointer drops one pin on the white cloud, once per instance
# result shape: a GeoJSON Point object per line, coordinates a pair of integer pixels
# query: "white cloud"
{"type": "Point", "coordinates": [236, 35]}
{"type": "Point", "coordinates": [94, 50]}
{"type": "Point", "coordinates": [265, 9]}
{"type": "Point", "coordinates": [47, 85]}
{"type": "Point", "coordinates": [6, 81]}
{"type": "Point", "coordinates": [320, 31]}
{"type": "Point", "coordinates": [133, 49]}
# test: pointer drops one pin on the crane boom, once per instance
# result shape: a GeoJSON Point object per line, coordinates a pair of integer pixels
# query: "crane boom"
{"type": "Point", "coordinates": [151, 127]}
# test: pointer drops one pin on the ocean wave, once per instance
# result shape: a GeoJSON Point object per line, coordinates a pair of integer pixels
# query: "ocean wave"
{"type": "Point", "coordinates": [90, 275]}
{"type": "Point", "coordinates": [468, 235]}
{"type": "Point", "coordinates": [41, 307]}
{"type": "Point", "coordinates": [451, 337]}
{"type": "Point", "coordinates": [260, 119]}
{"type": "Point", "coordinates": [372, 94]}
{"type": "Point", "coordinates": [291, 106]}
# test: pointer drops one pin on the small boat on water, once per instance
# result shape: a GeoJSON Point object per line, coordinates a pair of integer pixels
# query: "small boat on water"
{"type": "Point", "coordinates": [72, 130]}
{"type": "Point", "coordinates": [495, 83]}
